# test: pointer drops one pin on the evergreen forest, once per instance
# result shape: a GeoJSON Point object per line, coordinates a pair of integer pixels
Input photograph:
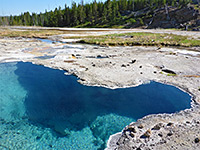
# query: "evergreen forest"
{"type": "Point", "coordinates": [96, 14]}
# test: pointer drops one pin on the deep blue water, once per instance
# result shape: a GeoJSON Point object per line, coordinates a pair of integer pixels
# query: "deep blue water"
{"type": "Point", "coordinates": [56, 101]}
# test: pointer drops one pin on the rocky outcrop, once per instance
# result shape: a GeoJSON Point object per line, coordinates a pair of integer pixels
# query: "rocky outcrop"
{"type": "Point", "coordinates": [187, 18]}
{"type": "Point", "coordinates": [173, 17]}
{"type": "Point", "coordinates": [176, 131]}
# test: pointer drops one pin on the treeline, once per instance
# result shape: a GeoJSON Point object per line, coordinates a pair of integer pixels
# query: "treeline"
{"type": "Point", "coordinates": [111, 12]}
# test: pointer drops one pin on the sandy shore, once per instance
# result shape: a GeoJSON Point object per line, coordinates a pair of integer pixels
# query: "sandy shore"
{"type": "Point", "coordinates": [117, 67]}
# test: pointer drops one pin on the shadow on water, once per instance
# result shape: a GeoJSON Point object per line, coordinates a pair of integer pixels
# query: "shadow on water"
{"type": "Point", "coordinates": [59, 101]}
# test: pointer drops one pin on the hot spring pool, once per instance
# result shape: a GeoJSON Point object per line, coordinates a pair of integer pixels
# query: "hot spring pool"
{"type": "Point", "coordinates": [41, 108]}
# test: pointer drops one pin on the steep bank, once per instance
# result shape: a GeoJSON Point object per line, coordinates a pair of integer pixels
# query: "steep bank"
{"type": "Point", "coordinates": [186, 18]}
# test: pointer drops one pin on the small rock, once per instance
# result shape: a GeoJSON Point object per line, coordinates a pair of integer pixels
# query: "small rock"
{"type": "Point", "coordinates": [170, 124]}
{"type": "Point", "coordinates": [123, 65]}
{"type": "Point", "coordinates": [93, 65]}
{"type": "Point", "coordinates": [82, 79]}
{"type": "Point", "coordinates": [197, 140]}
{"type": "Point", "coordinates": [162, 66]}
{"type": "Point", "coordinates": [99, 56]}
{"type": "Point", "coordinates": [163, 141]}
{"type": "Point", "coordinates": [132, 134]}
{"type": "Point", "coordinates": [170, 134]}
{"type": "Point", "coordinates": [169, 71]}
{"type": "Point", "coordinates": [132, 129]}
{"type": "Point", "coordinates": [140, 126]}
{"type": "Point", "coordinates": [157, 127]}
{"type": "Point", "coordinates": [154, 72]}
{"type": "Point", "coordinates": [140, 67]}
{"type": "Point", "coordinates": [133, 61]}
{"type": "Point", "coordinates": [146, 134]}
{"type": "Point", "coordinates": [89, 56]}
{"type": "Point", "coordinates": [160, 134]}
{"type": "Point", "coordinates": [78, 55]}
{"type": "Point", "coordinates": [141, 73]}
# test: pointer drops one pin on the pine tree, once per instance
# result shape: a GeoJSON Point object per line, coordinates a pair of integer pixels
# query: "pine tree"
{"type": "Point", "coordinates": [108, 13]}
{"type": "Point", "coordinates": [59, 17]}
{"type": "Point", "coordinates": [81, 13]}
{"type": "Point", "coordinates": [51, 19]}
{"type": "Point", "coordinates": [109, 10]}
{"type": "Point", "coordinates": [67, 16]}
{"type": "Point", "coordinates": [89, 13]}
{"type": "Point", "coordinates": [74, 15]}
{"type": "Point", "coordinates": [104, 15]}
{"type": "Point", "coordinates": [115, 9]}
{"type": "Point", "coordinates": [100, 7]}
{"type": "Point", "coordinates": [34, 19]}
{"type": "Point", "coordinates": [1, 22]}
{"type": "Point", "coordinates": [94, 11]}
{"type": "Point", "coordinates": [11, 20]}
{"type": "Point", "coordinates": [27, 19]}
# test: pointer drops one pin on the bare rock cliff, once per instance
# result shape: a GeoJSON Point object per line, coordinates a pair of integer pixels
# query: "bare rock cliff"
{"type": "Point", "coordinates": [173, 17]}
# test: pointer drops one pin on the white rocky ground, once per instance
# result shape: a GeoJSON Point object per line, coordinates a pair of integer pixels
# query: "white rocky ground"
{"type": "Point", "coordinates": [116, 67]}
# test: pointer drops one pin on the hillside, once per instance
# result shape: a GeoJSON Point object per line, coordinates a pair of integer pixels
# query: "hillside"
{"type": "Point", "coordinates": [168, 17]}
{"type": "Point", "coordinates": [181, 14]}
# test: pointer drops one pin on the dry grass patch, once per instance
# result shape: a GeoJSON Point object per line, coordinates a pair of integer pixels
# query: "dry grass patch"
{"type": "Point", "coordinates": [28, 33]}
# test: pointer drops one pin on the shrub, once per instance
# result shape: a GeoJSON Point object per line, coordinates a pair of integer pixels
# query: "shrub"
{"type": "Point", "coordinates": [132, 21]}
{"type": "Point", "coordinates": [141, 21]}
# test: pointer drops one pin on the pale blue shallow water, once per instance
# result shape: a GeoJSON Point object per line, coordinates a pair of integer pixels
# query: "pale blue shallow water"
{"type": "Point", "coordinates": [45, 40]}
{"type": "Point", "coordinates": [41, 108]}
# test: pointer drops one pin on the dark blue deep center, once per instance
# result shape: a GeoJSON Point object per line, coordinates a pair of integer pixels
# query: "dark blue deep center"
{"type": "Point", "coordinates": [58, 101]}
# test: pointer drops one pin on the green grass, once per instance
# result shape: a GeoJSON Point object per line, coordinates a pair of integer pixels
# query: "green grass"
{"type": "Point", "coordinates": [143, 39]}
{"type": "Point", "coordinates": [171, 74]}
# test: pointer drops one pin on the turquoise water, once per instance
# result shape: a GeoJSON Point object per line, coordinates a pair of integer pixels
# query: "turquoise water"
{"type": "Point", "coordinates": [41, 108]}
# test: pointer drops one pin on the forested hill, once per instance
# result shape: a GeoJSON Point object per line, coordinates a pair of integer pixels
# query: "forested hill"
{"type": "Point", "coordinates": [115, 13]}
